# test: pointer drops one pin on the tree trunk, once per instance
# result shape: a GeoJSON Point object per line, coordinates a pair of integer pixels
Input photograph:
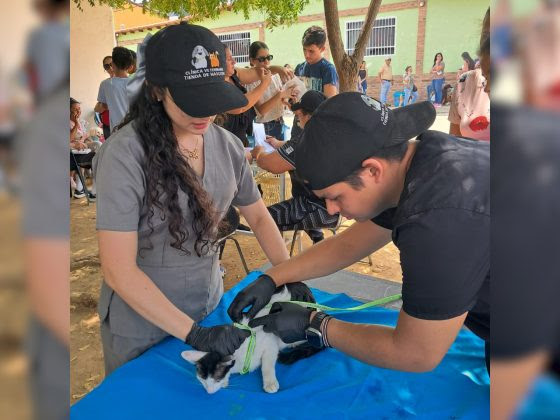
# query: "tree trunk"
{"type": "Point", "coordinates": [347, 65]}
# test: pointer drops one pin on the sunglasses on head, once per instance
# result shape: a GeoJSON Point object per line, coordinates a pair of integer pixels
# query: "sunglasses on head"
{"type": "Point", "coordinates": [107, 66]}
{"type": "Point", "coordinates": [263, 59]}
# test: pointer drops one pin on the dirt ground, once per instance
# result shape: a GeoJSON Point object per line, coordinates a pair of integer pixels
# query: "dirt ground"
{"type": "Point", "coordinates": [86, 357]}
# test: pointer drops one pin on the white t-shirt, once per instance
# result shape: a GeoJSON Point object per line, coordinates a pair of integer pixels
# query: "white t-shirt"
{"type": "Point", "coordinates": [278, 110]}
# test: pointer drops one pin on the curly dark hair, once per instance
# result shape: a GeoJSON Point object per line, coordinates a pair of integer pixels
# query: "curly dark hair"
{"type": "Point", "coordinates": [167, 171]}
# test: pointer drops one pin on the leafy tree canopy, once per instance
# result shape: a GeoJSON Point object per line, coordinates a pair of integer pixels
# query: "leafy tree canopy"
{"type": "Point", "coordinates": [276, 12]}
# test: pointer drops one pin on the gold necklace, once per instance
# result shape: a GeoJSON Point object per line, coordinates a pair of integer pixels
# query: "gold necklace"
{"type": "Point", "coordinates": [191, 154]}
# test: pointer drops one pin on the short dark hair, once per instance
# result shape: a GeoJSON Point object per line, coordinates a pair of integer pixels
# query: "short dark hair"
{"type": "Point", "coordinates": [314, 35]}
{"type": "Point", "coordinates": [393, 153]}
{"type": "Point", "coordinates": [106, 57]}
{"type": "Point", "coordinates": [255, 47]}
{"type": "Point", "coordinates": [122, 59]}
{"type": "Point", "coordinates": [133, 55]}
{"type": "Point", "coordinates": [73, 102]}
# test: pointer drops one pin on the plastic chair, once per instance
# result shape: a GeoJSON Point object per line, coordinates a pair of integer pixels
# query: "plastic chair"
{"type": "Point", "coordinates": [226, 231]}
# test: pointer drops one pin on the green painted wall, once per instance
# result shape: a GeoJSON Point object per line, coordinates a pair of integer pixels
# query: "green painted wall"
{"type": "Point", "coordinates": [285, 44]}
{"type": "Point", "coordinates": [451, 28]}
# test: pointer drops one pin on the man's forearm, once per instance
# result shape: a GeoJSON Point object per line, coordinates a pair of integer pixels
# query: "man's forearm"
{"type": "Point", "coordinates": [374, 345]}
{"type": "Point", "coordinates": [333, 254]}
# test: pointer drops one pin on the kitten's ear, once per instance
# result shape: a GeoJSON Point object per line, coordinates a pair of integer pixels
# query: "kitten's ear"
{"type": "Point", "coordinates": [228, 361]}
{"type": "Point", "coordinates": [193, 356]}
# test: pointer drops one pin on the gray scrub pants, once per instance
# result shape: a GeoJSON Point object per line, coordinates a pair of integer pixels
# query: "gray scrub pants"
{"type": "Point", "coordinates": [117, 350]}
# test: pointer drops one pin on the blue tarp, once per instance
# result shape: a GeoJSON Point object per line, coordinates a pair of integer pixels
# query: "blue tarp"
{"type": "Point", "coordinates": [330, 385]}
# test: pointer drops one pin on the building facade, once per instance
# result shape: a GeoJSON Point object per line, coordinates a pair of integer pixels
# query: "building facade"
{"type": "Point", "coordinates": [411, 32]}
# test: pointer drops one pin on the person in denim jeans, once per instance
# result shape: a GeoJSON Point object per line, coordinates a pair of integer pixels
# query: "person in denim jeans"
{"type": "Point", "coordinates": [385, 79]}
{"type": "Point", "coordinates": [409, 91]}
{"type": "Point", "coordinates": [438, 78]}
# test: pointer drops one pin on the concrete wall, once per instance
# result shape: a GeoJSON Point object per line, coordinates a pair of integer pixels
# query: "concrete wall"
{"type": "Point", "coordinates": [18, 20]}
{"type": "Point", "coordinates": [91, 39]}
{"type": "Point", "coordinates": [132, 16]}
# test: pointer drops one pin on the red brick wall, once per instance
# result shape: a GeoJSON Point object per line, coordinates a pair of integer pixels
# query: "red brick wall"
{"type": "Point", "coordinates": [420, 81]}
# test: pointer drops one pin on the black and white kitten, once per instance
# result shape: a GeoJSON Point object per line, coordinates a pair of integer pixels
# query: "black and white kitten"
{"type": "Point", "coordinates": [213, 370]}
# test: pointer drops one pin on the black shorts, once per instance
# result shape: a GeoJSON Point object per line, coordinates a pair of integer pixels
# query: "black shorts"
{"type": "Point", "coordinates": [80, 159]}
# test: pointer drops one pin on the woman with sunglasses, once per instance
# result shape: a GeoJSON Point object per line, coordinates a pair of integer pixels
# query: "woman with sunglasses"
{"type": "Point", "coordinates": [270, 106]}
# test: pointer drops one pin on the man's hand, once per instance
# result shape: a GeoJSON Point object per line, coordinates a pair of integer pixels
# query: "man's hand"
{"type": "Point", "coordinates": [256, 295]}
{"type": "Point", "coordinates": [300, 292]}
{"type": "Point", "coordinates": [256, 151]}
{"type": "Point", "coordinates": [223, 339]}
{"type": "Point", "coordinates": [274, 142]}
{"type": "Point", "coordinates": [287, 320]}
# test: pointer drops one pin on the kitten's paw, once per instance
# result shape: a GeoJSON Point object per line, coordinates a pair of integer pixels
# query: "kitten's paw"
{"type": "Point", "coordinates": [271, 386]}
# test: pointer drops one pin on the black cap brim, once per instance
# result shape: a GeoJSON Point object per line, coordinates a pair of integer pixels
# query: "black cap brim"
{"type": "Point", "coordinates": [410, 121]}
{"type": "Point", "coordinates": [296, 106]}
{"type": "Point", "coordinates": [208, 99]}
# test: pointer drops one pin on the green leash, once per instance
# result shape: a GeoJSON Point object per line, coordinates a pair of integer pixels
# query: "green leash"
{"type": "Point", "coordinates": [251, 348]}
{"type": "Point", "coordinates": [377, 302]}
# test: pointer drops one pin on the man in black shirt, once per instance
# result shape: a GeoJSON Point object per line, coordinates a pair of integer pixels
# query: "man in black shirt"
{"type": "Point", "coordinates": [304, 211]}
{"type": "Point", "coordinates": [430, 195]}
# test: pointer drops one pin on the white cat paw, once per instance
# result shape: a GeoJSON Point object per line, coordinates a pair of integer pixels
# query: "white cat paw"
{"type": "Point", "coordinates": [271, 386]}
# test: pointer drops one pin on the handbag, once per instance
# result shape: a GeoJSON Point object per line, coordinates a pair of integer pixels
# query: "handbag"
{"type": "Point", "coordinates": [414, 88]}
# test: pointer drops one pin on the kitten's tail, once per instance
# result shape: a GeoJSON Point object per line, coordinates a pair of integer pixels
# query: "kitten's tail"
{"type": "Point", "coordinates": [302, 351]}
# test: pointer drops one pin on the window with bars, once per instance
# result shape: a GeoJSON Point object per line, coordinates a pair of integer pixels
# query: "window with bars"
{"type": "Point", "coordinates": [238, 44]}
{"type": "Point", "coordinates": [381, 40]}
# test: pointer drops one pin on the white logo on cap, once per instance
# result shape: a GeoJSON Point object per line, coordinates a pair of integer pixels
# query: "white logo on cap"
{"type": "Point", "coordinates": [378, 107]}
{"type": "Point", "coordinates": [199, 55]}
{"type": "Point", "coordinates": [372, 102]}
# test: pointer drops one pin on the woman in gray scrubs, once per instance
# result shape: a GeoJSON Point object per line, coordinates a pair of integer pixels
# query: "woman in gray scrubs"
{"type": "Point", "coordinates": [165, 179]}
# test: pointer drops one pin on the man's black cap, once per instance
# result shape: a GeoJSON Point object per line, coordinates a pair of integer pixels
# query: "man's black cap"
{"type": "Point", "coordinates": [310, 101]}
{"type": "Point", "coordinates": [190, 61]}
{"type": "Point", "coordinates": [350, 127]}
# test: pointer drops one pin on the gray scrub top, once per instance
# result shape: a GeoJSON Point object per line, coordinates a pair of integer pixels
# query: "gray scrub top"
{"type": "Point", "coordinates": [191, 283]}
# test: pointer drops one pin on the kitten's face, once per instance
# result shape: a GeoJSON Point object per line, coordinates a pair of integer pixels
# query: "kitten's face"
{"type": "Point", "coordinates": [212, 370]}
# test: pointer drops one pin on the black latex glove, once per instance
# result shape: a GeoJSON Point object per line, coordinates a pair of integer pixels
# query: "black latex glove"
{"type": "Point", "coordinates": [257, 295]}
{"type": "Point", "coordinates": [300, 292]}
{"type": "Point", "coordinates": [224, 339]}
{"type": "Point", "coordinates": [287, 320]}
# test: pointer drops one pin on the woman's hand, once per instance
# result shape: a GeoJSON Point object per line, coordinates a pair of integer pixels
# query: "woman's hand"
{"type": "Point", "coordinates": [78, 145]}
{"type": "Point", "coordinates": [74, 117]}
{"type": "Point", "coordinates": [223, 339]}
{"type": "Point", "coordinates": [264, 76]}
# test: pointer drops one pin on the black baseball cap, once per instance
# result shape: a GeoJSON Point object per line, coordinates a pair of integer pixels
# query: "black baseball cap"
{"type": "Point", "coordinates": [310, 101]}
{"type": "Point", "coordinates": [350, 127]}
{"type": "Point", "coordinates": [190, 61]}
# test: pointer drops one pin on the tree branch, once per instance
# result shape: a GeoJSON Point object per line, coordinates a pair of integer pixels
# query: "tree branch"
{"type": "Point", "coordinates": [360, 48]}
{"type": "Point", "coordinates": [333, 31]}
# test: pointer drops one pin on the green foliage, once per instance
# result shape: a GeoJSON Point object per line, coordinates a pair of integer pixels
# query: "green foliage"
{"type": "Point", "coordinates": [276, 12]}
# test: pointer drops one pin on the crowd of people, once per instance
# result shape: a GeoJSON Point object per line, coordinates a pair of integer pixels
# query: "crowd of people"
{"type": "Point", "coordinates": [178, 160]}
